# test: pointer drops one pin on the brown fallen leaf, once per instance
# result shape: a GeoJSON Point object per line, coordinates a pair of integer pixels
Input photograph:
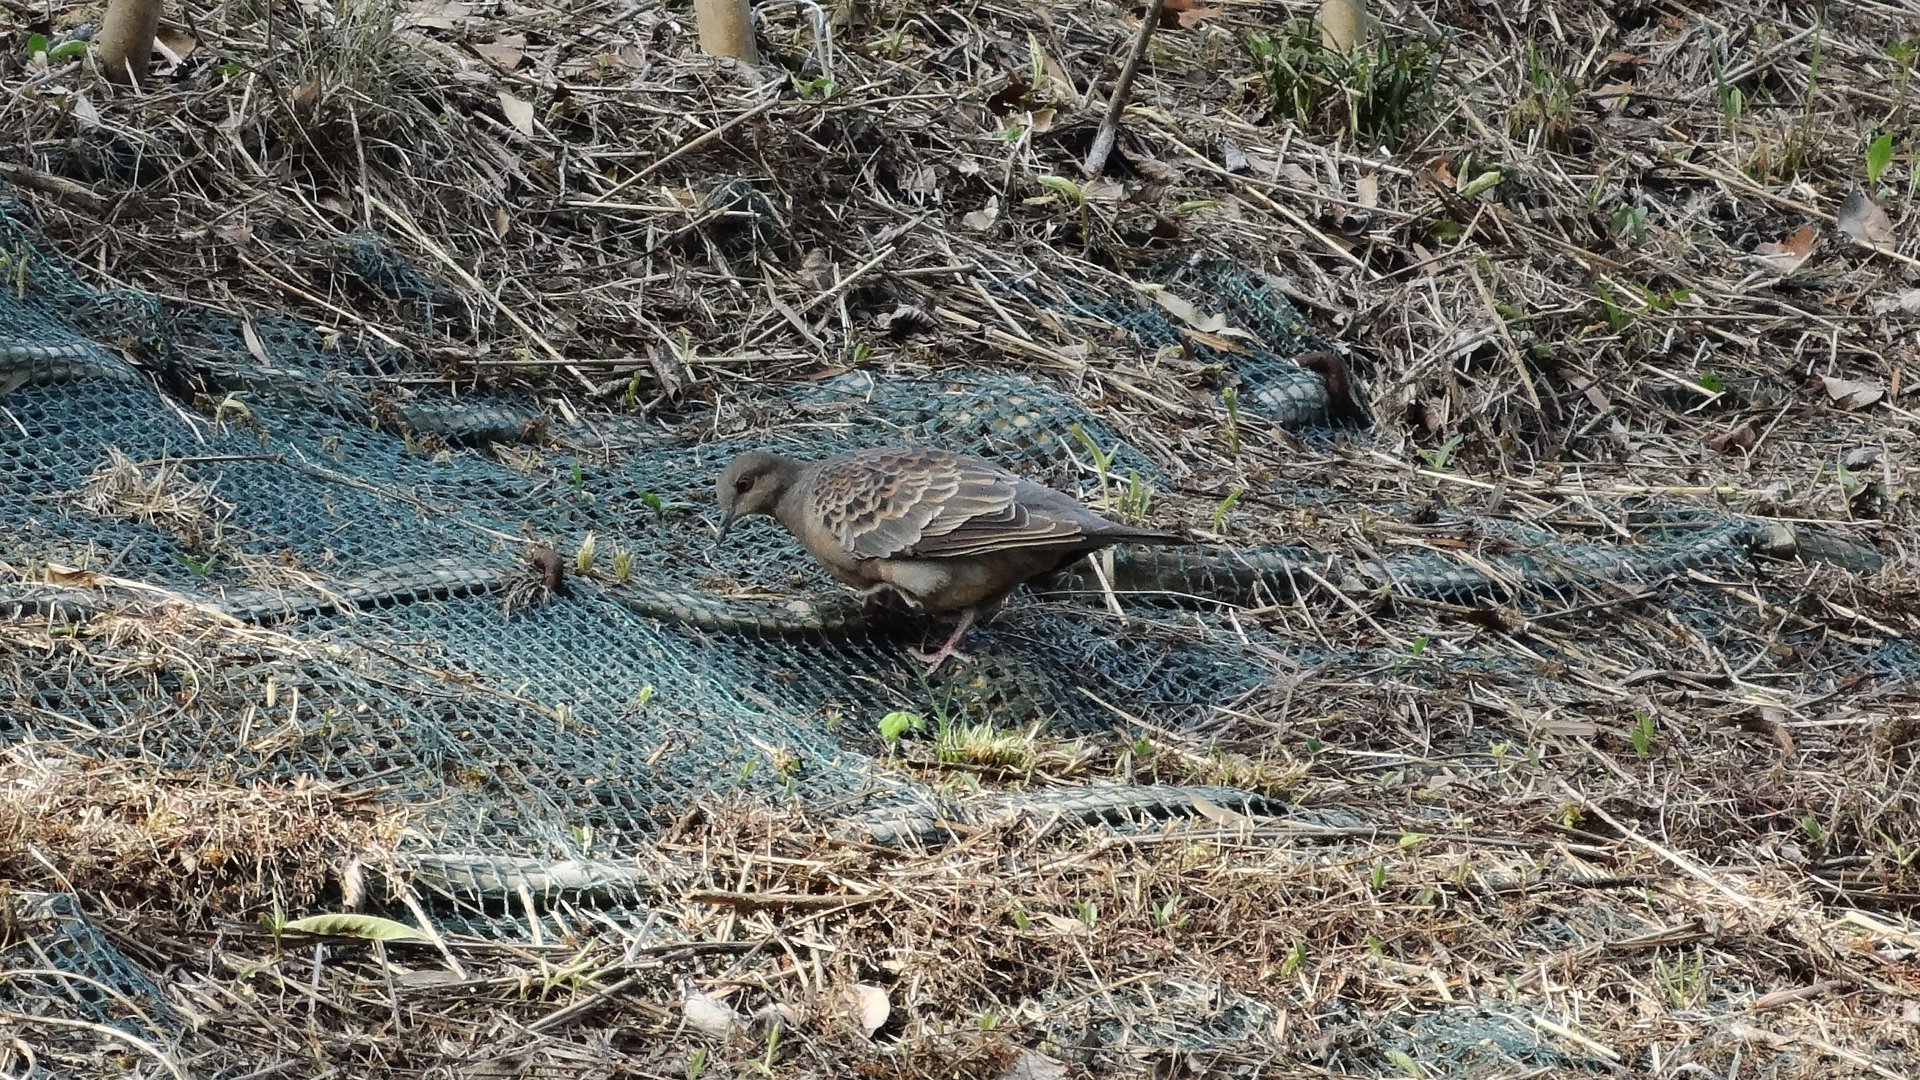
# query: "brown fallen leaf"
{"type": "Point", "coordinates": [1332, 371]}
{"type": "Point", "coordinates": [1218, 342]}
{"type": "Point", "coordinates": [1850, 393]}
{"type": "Point", "coordinates": [1614, 95]}
{"type": "Point", "coordinates": [1011, 96]}
{"type": "Point", "coordinates": [1741, 438]}
{"type": "Point", "coordinates": [59, 574]}
{"type": "Point", "coordinates": [1425, 261]}
{"type": "Point", "coordinates": [1151, 167]}
{"type": "Point", "coordinates": [1186, 14]}
{"type": "Point", "coordinates": [816, 269]}
{"type": "Point", "coordinates": [1860, 218]}
{"type": "Point", "coordinates": [176, 45]}
{"type": "Point", "coordinates": [1791, 252]}
{"type": "Point", "coordinates": [506, 51]}
{"type": "Point", "coordinates": [306, 93]}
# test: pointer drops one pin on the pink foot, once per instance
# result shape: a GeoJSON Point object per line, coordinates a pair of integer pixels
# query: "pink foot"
{"type": "Point", "coordinates": [939, 656]}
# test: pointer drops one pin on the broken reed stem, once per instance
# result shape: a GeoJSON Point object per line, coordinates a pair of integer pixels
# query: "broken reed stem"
{"type": "Point", "coordinates": [1122, 90]}
{"type": "Point", "coordinates": [726, 29]}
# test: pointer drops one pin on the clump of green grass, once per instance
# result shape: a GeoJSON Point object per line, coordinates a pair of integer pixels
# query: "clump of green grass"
{"type": "Point", "coordinates": [1373, 94]}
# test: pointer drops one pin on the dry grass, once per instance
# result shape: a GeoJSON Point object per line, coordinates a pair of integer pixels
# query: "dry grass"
{"type": "Point", "coordinates": [158, 494]}
{"type": "Point", "coordinates": [1723, 887]}
{"type": "Point", "coordinates": [123, 831]}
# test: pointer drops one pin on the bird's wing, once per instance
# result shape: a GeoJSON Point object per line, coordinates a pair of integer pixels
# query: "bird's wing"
{"type": "Point", "coordinates": [933, 504]}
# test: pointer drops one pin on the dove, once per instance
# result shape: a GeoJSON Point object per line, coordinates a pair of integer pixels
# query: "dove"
{"type": "Point", "coordinates": [947, 532]}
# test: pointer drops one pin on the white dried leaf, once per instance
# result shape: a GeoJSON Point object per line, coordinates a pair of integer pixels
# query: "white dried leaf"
{"type": "Point", "coordinates": [982, 219]}
{"type": "Point", "coordinates": [1218, 814]}
{"type": "Point", "coordinates": [1860, 218]}
{"type": "Point", "coordinates": [1189, 314]}
{"type": "Point", "coordinates": [1851, 393]}
{"type": "Point", "coordinates": [1234, 158]}
{"type": "Point", "coordinates": [1028, 1065]}
{"type": "Point", "coordinates": [1906, 303]}
{"type": "Point", "coordinates": [1862, 457]}
{"type": "Point", "coordinates": [869, 1007]}
{"type": "Point", "coordinates": [708, 1015]}
{"type": "Point", "coordinates": [254, 345]}
{"type": "Point", "coordinates": [519, 112]}
{"type": "Point", "coordinates": [85, 113]}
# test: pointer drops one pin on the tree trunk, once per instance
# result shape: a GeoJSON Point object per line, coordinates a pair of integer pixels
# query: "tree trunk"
{"type": "Point", "coordinates": [726, 29]}
{"type": "Point", "coordinates": [125, 49]}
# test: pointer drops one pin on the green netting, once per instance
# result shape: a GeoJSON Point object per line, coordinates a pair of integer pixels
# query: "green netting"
{"type": "Point", "coordinates": [343, 495]}
{"type": "Point", "coordinates": [56, 963]}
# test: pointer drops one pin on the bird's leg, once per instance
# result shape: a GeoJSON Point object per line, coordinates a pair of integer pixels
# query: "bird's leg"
{"type": "Point", "coordinates": [935, 659]}
{"type": "Point", "coordinates": [881, 588]}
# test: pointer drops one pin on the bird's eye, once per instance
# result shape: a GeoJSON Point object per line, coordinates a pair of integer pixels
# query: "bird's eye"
{"type": "Point", "coordinates": [743, 485]}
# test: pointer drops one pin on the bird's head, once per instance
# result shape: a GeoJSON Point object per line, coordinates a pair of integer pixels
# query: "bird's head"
{"type": "Point", "coordinates": [752, 484]}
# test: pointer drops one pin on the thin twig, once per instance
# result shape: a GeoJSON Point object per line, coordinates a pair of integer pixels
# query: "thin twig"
{"type": "Point", "coordinates": [1110, 124]}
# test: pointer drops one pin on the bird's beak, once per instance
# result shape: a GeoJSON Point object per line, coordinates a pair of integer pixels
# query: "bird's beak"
{"type": "Point", "coordinates": [725, 524]}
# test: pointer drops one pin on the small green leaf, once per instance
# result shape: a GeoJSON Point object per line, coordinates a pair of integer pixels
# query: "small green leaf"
{"type": "Point", "coordinates": [1712, 384]}
{"type": "Point", "coordinates": [1405, 1063]}
{"type": "Point", "coordinates": [1226, 505]}
{"type": "Point", "coordinates": [370, 927]}
{"type": "Point", "coordinates": [66, 50]}
{"type": "Point", "coordinates": [1064, 186]}
{"type": "Point", "coordinates": [1879, 156]}
{"type": "Point", "coordinates": [1191, 205]}
{"type": "Point", "coordinates": [1478, 184]}
{"type": "Point", "coordinates": [36, 44]}
{"type": "Point", "coordinates": [1296, 957]}
{"type": "Point", "coordinates": [895, 724]}
{"type": "Point", "coordinates": [1811, 826]}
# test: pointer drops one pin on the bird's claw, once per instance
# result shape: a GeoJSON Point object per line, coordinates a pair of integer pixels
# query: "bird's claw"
{"type": "Point", "coordinates": [934, 659]}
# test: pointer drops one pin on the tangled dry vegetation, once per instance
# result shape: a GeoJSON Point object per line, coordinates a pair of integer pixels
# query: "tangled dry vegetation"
{"type": "Point", "coordinates": [1575, 253]}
